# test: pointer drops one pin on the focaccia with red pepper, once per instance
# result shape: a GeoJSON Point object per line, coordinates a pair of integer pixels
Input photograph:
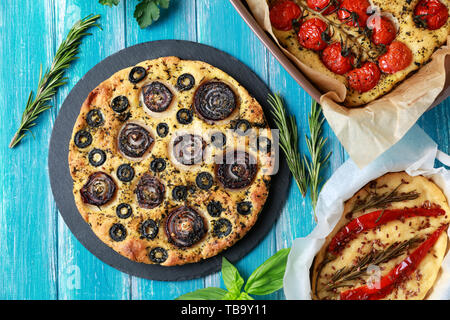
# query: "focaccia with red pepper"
{"type": "Point", "coordinates": [389, 243]}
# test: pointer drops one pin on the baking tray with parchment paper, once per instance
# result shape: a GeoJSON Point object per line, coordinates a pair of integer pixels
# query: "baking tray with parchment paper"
{"type": "Point", "coordinates": [243, 10]}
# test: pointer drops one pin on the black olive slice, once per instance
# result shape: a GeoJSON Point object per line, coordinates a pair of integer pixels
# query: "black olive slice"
{"type": "Point", "coordinates": [124, 211]}
{"type": "Point", "coordinates": [184, 116]}
{"type": "Point", "coordinates": [162, 129]}
{"type": "Point", "coordinates": [184, 227]}
{"type": "Point", "coordinates": [137, 74]}
{"type": "Point", "coordinates": [244, 207]}
{"type": "Point", "coordinates": [188, 149]}
{"type": "Point", "coordinates": [158, 255]}
{"type": "Point", "coordinates": [156, 96]}
{"type": "Point", "coordinates": [94, 118]}
{"type": "Point", "coordinates": [149, 229]}
{"type": "Point", "coordinates": [242, 127]}
{"type": "Point", "coordinates": [264, 144]}
{"type": "Point", "coordinates": [218, 139]}
{"type": "Point", "coordinates": [149, 192]}
{"type": "Point", "coordinates": [185, 82]}
{"type": "Point", "coordinates": [237, 170]}
{"type": "Point", "coordinates": [99, 189]}
{"type": "Point", "coordinates": [158, 165]}
{"type": "Point", "coordinates": [134, 140]}
{"type": "Point", "coordinates": [82, 139]}
{"type": "Point", "coordinates": [214, 101]}
{"type": "Point", "coordinates": [120, 104]}
{"type": "Point", "coordinates": [222, 227]}
{"type": "Point", "coordinates": [125, 173]}
{"type": "Point", "coordinates": [118, 232]}
{"type": "Point", "coordinates": [179, 193]}
{"type": "Point", "coordinates": [204, 180]}
{"type": "Point", "coordinates": [97, 157]}
{"type": "Point", "coordinates": [214, 208]}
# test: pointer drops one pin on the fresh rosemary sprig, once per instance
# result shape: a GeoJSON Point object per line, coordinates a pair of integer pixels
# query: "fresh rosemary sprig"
{"type": "Point", "coordinates": [381, 201]}
{"type": "Point", "coordinates": [373, 258]}
{"type": "Point", "coordinates": [376, 257]}
{"type": "Point", "coordinates": [289, 141]}
{"type": "Point", "coordinates": [315, 145]}
{"type": "Point", "coordinates": [53, 77]}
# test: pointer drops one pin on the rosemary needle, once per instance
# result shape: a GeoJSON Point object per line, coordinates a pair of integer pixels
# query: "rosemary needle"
{"type": "Point", "coordinates": [315, 145]}
{"type": "Point", "coordinates": [53, 78]}
{"type": "Point", "coordinates": [289, 141]}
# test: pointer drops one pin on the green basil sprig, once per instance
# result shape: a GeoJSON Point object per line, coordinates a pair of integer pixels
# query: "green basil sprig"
{"type": "Point", "coordinates": [267, 278]}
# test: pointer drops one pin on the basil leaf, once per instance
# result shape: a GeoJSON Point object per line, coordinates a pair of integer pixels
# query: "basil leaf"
{"type": "Point", "coordinates": [245, 296]}
{"type": "Point", "coordinates": [231, 277]}
{"type": "Point", "coordinates": [231, 296]}
{"type": "Point", "coordinates": [268, 277]}
{"type": "Point", "coordinates": [210, 293]}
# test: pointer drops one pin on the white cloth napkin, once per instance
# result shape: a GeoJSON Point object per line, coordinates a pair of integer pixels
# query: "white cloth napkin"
{"type": "Point", "coordinates": [415, 153]}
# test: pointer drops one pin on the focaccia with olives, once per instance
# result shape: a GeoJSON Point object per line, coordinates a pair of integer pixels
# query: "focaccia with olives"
{"type": "Point", "coordinates": [171, 161]}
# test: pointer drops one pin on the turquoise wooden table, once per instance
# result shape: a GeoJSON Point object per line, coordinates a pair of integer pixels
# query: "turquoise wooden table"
{"type": "Point", "coordinates": [39, 257]}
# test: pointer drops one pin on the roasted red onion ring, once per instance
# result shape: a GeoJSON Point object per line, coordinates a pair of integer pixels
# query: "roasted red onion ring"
{"type": "Point", "coordinates": [156, 96]}
{"type": "Point", "coordinates": [214, 101]}
{"type": "Point", "coordinates": [134, 140]}
{"type": "Point", "coordinates": [185, 227]}
{"type": "Point", "coordinates": [189, 149]}
{"type": "Point", "coordinates": [149, 191]}
{"type": "Point", "coordinates": [99, 189]}
{"type": "Point", "coordinates": [237, 170]}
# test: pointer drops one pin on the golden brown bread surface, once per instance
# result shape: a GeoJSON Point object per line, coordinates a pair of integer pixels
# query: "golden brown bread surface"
{"type": "Point", "coordinates": [419, 284]}
{"type": "Point", "coordinates": [101, 219]}
{"type": "Point", "coordinates": [422, 42]}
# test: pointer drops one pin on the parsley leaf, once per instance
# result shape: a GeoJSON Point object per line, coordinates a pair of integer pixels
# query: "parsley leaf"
{"type": "Point", "coordinates": [148, 11]}
{"type": "Point", "coordinates": [109, 2]}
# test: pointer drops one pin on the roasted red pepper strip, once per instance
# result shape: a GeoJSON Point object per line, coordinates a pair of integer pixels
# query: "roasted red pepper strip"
{"type": "Point", "coordinates": [396, 275]}
{"type": "Point", "coordinates": [374, 219]}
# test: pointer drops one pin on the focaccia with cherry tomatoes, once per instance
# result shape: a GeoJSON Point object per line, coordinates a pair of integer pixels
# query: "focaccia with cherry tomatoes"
{"type": "Point", "coordinates": [370, 46]}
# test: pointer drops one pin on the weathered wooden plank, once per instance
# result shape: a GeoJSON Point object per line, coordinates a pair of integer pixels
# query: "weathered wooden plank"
{"type": "Point", "coordinates": [80, 274]}
{"type": "Point", "coordinates": [27, 221]}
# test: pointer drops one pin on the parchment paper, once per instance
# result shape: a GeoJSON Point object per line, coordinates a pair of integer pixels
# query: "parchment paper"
{"type": "Point", "coordinates": [415, 154]}
{"type": "Point", "coordinates": [368, 131]}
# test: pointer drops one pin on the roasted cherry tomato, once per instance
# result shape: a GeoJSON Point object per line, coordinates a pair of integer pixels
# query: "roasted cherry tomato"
{"type": "Point", "coordinates": [430, 14]}
{"type": "Point", "coordinates": [313, 33]}
{"type": "Point", "coordinates": [365, 78]}
{"type": "Point", "coordinates": [354, 12]}
{"type": "Point", "coordinates": [319, 5]}
{"type": "Point", "coordinates": [336, 59]}
{"type": "Point", "coordinates": [383, 30]}
{"type": "Point", "coordinates": [397, 57]}
{"type": "Point", "coordinates": [282, 14]}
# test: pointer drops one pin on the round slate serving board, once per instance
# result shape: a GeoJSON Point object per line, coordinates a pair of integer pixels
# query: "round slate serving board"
{"type": "Point", "coordinates": [61, 181]}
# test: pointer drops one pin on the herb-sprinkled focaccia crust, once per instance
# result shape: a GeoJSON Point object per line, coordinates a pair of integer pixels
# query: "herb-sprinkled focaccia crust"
{"type": "Point", "coordinates": [207, 214]}
{"type": "Point", "coordinates": [421, 41]}
{"type": "Point", "coordinates": [420, 282]}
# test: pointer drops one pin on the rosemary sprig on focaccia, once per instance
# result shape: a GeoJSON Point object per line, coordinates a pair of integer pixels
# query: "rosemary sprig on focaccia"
{"type": "Point", "coordinates": [374, 257]}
